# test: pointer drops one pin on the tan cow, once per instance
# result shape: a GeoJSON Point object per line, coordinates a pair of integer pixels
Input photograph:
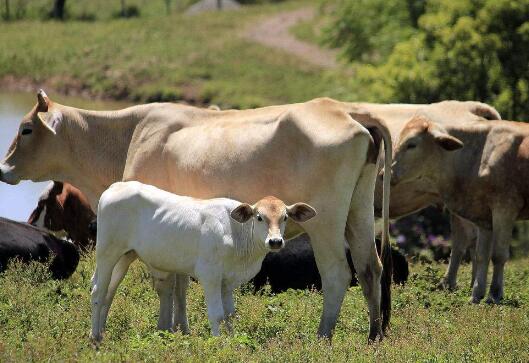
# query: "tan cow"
{"type": "Point", "coordinates": [480, 171]}
{"type": "Point", "coordinates": [412, 196]}
{"type": "Point", "coordinates": [313, 151]}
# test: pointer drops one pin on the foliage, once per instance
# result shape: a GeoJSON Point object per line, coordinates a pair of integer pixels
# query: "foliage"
{"type": "Point", "coordinates": [44, 320]}
{"type": "Point", "coordinates": [468, 49]}
{"type": "Point", "coordinates": [199, 59]}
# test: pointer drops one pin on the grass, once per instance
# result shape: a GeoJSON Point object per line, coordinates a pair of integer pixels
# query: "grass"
{"type": "Point", "coordinates": [43, 320]}
{"type": "Point", "coordinates": [158, 57]}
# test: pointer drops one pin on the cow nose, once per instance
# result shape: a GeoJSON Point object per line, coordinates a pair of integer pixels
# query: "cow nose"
{"type": "Point", "coordinates": [275, 243]}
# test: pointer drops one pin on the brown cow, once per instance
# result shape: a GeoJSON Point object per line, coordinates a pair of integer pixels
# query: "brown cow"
{"type": "Point", "coordinates": [64, 210]}
{"type": "Point", "coordinates": [480, 171]}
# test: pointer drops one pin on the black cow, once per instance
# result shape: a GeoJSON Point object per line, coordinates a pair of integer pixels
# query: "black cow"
{"type": "Point", "coordinates": [29, 243]}
{"type": "Point", "coordinates": [294, 267]}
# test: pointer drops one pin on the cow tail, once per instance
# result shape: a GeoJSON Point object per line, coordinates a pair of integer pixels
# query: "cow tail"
{"type": "Point", "coordinates": [369, 120]}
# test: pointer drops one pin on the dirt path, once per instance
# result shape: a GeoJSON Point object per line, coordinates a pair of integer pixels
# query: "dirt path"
{"type": "Point", "coordinates": [274, 32]}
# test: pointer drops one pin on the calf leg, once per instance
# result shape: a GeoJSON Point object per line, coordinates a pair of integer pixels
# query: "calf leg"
{"type": "Point", "coordinates": [119, 272]}
{"type": "Point", "coordinates": [502, 234]}
{"type": "Point", "coordinates": [104, 266]}
{"type": "Point", "coordinates": [180, 304]}
{"type": "Point", "coordinates": [213, 293]}
{"type": "Point", "coordinates": [228, 305]}
{"type": "Point", "coordinates": [462, 237]}
{"type": "Point", "coordinates": [483, 252]}
{"type": "Point", "coordinates": [164, 285]}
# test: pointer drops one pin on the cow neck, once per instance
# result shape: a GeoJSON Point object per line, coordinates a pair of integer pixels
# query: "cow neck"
{"type": "Point", "coordinates": [99, 160]}
{"type": "Point", "coordinates": [244, 241]}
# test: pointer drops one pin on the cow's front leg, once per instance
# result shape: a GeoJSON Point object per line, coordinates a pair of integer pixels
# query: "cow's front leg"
{"type": "Point", "coordinates": [213, 293]}
{"type": "Point", "coordinates": [463, 235]}
{"type": "Point", "coordinates": [228, 305]}
{"type": "Point", "coordinates": [483, 253]}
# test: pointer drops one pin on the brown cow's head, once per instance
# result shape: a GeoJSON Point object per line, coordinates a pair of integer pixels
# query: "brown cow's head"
{"type": "Point", "coordinates": [270, 216]}
{"type": "Point", "coordinates": [38, 137]}
{"type": "Point", "coordinates": [422, 147]}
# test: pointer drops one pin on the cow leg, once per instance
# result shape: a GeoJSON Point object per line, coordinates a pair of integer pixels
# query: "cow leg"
{"type": "Point", "coordinates": [228, 305]}
{"type": "Point", "coordinates": [462, 238]}
{"type": "Point", "coordinates": [502, 234]}
{"type": "Point", "coordinates": [335, 274]}
{"type": "Point", "coordinates": [213, 293]}
{"type": "Point", "coordinates": [104, 266]}
{"type": "Point", "coordinates": [483, 252]}
{"type": "Point", "coordinates": [164, 285]}
{"type": "Point", "coordinates": [360, 234]}
{"type": "Point", "coordinates": [180, 304]}
{"type": "Point", "coordinates": [119, 272]}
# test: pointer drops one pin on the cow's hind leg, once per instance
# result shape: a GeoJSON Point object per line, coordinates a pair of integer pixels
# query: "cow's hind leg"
{"type": "Point", "coordinates": [105, 263]}
{"type": "Point", "coordinates": [360, 234]}
{"type": "Point", "coordinates": [180, 304]}
{"type": "Point", "coordinates": [502, 233]}
{"type": "Point", "coordinates": [119, 272]}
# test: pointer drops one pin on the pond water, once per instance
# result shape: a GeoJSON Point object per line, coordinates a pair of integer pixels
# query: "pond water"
{"type": "Point", "coordinates": [17, 201]}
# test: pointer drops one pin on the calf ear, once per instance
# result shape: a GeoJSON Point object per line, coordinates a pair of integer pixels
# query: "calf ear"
{"type": "Point", "coordinates": [448, 142]}
{"type": "Point", "coordinates": [300, 212]}
{"type": "Point", "coordinates": [242, 213]}
{"type": "Point", "coordinates": [51, 120]}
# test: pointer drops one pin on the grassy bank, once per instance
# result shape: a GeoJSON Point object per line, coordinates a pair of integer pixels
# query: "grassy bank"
{"type": "Point", "coordinates": [50, 320]}
{"type": "Point", "coordinates": [203, 58]}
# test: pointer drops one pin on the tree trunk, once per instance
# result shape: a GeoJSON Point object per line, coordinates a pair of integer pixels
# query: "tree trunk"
{"type": "Point", "coordinates": [122, 8]}
{"type": "Point", "coordinates": [168, 6]}
{"type": "Point", "coordinates": [7, 15]}
{"type": "Point", "coordinates": [58, 9]}
{"type": "Point", "coordinates": [219, 4]}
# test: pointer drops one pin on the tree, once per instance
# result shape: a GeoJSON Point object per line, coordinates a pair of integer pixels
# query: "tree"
{"type": "Point", "coordinates": [58, 9]}
{"type": "Point", "coordinates": [7, 14]}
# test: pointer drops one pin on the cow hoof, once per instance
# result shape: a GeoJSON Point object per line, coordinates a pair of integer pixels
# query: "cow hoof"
{"type": "Point", "coordinates": [445, 285]}
{"type": "Point", "coordinates": [96, 340]}
{"type": "Point", "coordinates": [494, 300]}
{"type": "Point", "coordinates": [475, 300]}
{"type": "Point", "coordinates": [375, 336]}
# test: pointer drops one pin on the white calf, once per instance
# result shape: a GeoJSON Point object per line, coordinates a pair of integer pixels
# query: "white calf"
{"type": "Point", "coordinates": [174, 234]}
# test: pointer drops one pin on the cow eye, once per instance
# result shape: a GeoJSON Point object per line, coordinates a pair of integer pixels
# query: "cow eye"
{"type": "Point", "coordinates": [411, 146]}
{"type": "Point", "coordinates": [259, 218]}
{"type": "Point", "coordinates": [26, 131]}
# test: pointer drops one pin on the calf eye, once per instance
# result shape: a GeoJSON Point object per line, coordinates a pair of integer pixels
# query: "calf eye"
{"type": "Point", "coordinates": [259, 218]}
{"type": "Point", "coordinates": [26, 131]}
{"type": "Point", "coordinates": [285, 217]}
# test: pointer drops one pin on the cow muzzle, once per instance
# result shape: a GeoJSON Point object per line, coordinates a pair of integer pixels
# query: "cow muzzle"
{"type": "Point", "coordinates": [275, 244]}
{"type": "Point", "coordinates": [7, 176]}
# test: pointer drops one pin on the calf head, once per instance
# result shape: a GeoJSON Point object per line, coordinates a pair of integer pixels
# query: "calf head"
{"type": "Point", "coordinates": [49, 212]}
{"type": "Point", "coordinates": [421, 151]}
{"type": "Point", "coordinates": [270, 218]}
{"type": "Point", "coordinates": [35, 148]}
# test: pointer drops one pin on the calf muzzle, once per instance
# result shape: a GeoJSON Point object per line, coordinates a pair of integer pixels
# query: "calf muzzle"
{"type": "Point", "coordinates": [275, 243]}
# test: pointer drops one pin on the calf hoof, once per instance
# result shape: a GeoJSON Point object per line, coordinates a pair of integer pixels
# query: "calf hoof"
{"type": "Point", "coordinates": [96, 340]}
{"type": "Point", "coordinates": [475, 299]}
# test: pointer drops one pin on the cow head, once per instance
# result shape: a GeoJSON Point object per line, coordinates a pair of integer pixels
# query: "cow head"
{"type": "Point", "coordinates": [49, 213]}
{"type": "Point", "coordinates": [421, 150]}
{"type": "Point", "coordinates": [270, 218]}
{"type": "Point", "coordinates": [38, 138]}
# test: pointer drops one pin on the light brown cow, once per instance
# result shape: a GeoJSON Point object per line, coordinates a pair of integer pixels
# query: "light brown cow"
{"type": "Point", "coordinates": [313, 151]}
{"type": "Point", "coordinates": [480, 172]}
{"type": "Point", "coordinates": [412, 196]}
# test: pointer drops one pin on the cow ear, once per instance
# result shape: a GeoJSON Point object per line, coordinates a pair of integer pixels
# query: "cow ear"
{"type": "Point", "coordinates": [43, 102]}
{"type": "Point", "coordinates": [447, 142]}
{"type": "Point", "coordinates": [51, 120]}
{"type": "Point", "coordinates": [242, 213]}
{"type": "Point", "coordinates": [301, 212]}
{"type": "Point", "coordinates": [485, 111]}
